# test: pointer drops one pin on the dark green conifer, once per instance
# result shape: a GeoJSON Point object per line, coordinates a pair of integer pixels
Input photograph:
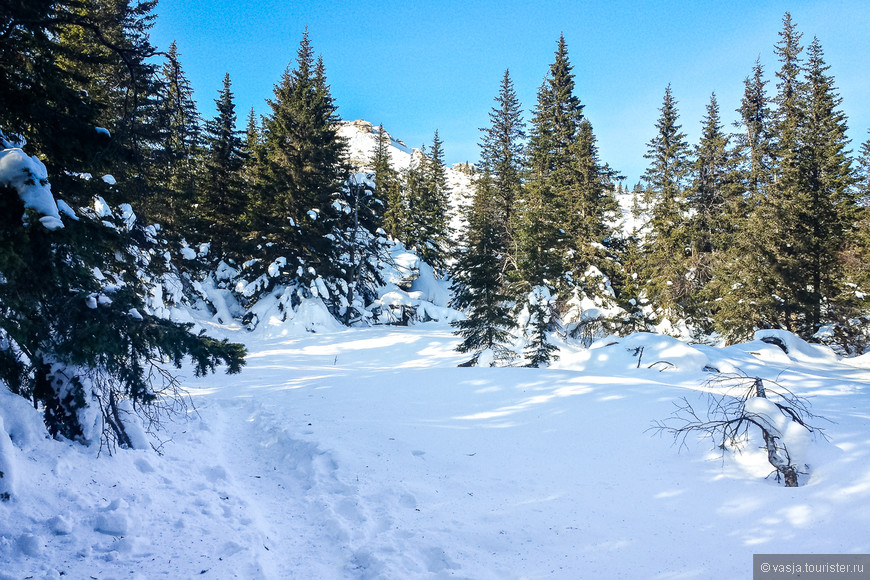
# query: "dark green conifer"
{"type": "Point", "coordinates": [82, 336]}
{"type": "Point", "coordinates": [478, 281]}
{"type": "Point", "coordinates": [427, 218]}
{"type": "Point", "coordinates": [114, 65]}
{"type": "Point", "coordinates": [301, 169]}
{"type": "Point", "coordinates": [387, 187]}
{"type": "Point", "coordinates": [174, 156]}
{"type": "Point", "coordinates": [829, 198]}
{"type": "Point", "coordinates": [668, 155]}
{"type": "Point", "coordinates": [222, 192]}
{"type": "Point", "coordinates": [502, 156]}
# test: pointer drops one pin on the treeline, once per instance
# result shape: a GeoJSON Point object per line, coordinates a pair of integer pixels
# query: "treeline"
{"type": "Point", "coordinates": [764, 227]}
{"type": "Point", "coordinates": [760, 228]}
{"type": "Point", "coordinates": [82, 97]}
{"type": "Point", "coordinates": [275, 208]}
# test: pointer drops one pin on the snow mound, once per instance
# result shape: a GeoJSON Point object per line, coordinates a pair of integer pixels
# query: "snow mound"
{"type": "Point", "coordinates": [639, 351]}
{"type": "Point", "coordinates": [275, 315]}
{"type": "Point", "coordinates": [796, 348]}
{"type": "Point", "coordinates": [21, 428]}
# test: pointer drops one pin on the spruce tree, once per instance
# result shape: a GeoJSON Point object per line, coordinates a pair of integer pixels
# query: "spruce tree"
{"type": "Point", "coordinates": [741, 279]}
{"type": "Point", "coordinates": [668, 155]}
{"type": "Point", "coordinates": [42, 100]}
{"type": "Point", "coordinates": [569, 195]}
{"type": "Point", "coordinates": [808, 209]}
{"type": "Point", "coordinates": [478, 281]}
{"type": "Point", "coordinates": [301, 167]}
{"type": "Point", "coordinates": [858, 256]}
{"type": "Point", "coordinates": [590, 204]}
{"type": "Point", "coordinates": [542, 320]}
{"type": "Point", "coordinates": [180, 144]}
{"type": "Point", "coordinates": [754, 141]}
{"type": "Point", "coordinates": [714, 202]}
{"type": "Point", "coordinates": [387, 186]}
{"type": "Point", "coordinates": [830, 202]}
{"type": "Point", "coordinates": [554, 128]}
{"type": "Point", "coordinates": [782, 206]}
{"type": "Point", "coordinates": [427, 219]}
{"type": "Point", "coordinates": [114, 65]}
{"type": "Point", "coordinates": [712, 185]}
{"type": "Point", "coordinates": [222, 192]}
{"type": "Point", "coordinates": [363, 246]}
{"type": "Point", "coordinates": [253, 150]}
{"type": "Point", "coordinates": [502, 156]}
{"type": "Point", "coordinates": [435, 207]}
{"type": "Point", "coordinates": [81, 341]}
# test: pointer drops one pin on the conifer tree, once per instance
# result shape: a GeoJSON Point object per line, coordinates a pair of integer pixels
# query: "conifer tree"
{"type": "Point", "coordinates": [363, 247]}
{"type": "Point", "coordinates": [590, 203]}
{"type": "Point", "coordinates": [668, 155]}
{"type": "Point", "coordinates": [387, 187]}
{"type": "Point", "coordinates": [116, 69]}
{"type": "Point", "coordinates": [808, 208]}
{"type": "Point", "coordinates": [174, 156]}
{"type": "Point", "coordinates": [427, 222]}
{"type": "Point", "coordinates": [300, 170]}
{"type": "Point", "coordinates": [222, 192]}
{"type": "Point", "coordinates": [714, 203]}
{"type": "Point", "coordinates": [436, 206]}
{"type": "Point", "coordinates": [82, 337]}
{"type": "Point", "coordinates": [830, 202]}
{"type": "Point", "coordinates": [741, 278]}
{"type": "Point", "coordinates": [781, 207]}
{"type": "Point", "coordinates": [42, 100]}
{"type": "Point", "coordinates": [713, 175]}
{"type": "Point", "coordinates": [542, 320]}
{"type": "Point", "coordinates": [754, 142]}
{"type": "Point", "coordinates": [502, 156]}
{"type": "Point", "coordinates": [858, 256]}
{"type": "Point", "coordinates": [569, 195]}
{"type": "Point", "coordinates": [478, 281]}
{"type": "Point", "coordinates": [252, 147]}
{"type": "Point", "coordinates": [412, 184]}
{"type": "Point", "coordinates": [554, 127]}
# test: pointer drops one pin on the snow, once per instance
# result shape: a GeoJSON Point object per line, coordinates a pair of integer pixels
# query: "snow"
{"type": "Point", "coordinates": [29, 177]}
{"type": "Point", "coordinates": [362, 140]}
{"type": "Point", "coordinates": [275, 267]}
{"type": "Point", "coordinates": [797, 348]}
{"type": "Point", "coordinates": [64, 208]}
{"type": "Point", "coordinates": [102, 208]}
{"type": "Point", "coordinates": [366, 453]}
{"type": "Point", "coordinates": [187, 252]}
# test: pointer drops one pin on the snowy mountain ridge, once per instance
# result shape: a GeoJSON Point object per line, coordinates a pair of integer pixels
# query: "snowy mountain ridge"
{"type": "Point", "coordinates": [362, 139]}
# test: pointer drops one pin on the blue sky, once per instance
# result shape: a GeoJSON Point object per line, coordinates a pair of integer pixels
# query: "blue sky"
{"type": "Point", "coordinates": [418, 66]}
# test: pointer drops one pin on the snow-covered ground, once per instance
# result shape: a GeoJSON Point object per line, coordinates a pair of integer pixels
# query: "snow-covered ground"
{"type": "Point", "coordinates": [366, 453]}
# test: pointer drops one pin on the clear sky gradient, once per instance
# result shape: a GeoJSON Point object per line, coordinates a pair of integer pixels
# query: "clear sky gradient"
{"type": "Point", "coordinates": [418, 66]}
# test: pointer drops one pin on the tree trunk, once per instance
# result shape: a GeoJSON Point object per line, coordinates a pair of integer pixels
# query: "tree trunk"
{"type": "Point", "coordinates": [781, 465]}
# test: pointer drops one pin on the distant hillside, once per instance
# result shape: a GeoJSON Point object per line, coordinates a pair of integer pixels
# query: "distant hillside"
{"type": "Point", "coordinates": [362, 138]}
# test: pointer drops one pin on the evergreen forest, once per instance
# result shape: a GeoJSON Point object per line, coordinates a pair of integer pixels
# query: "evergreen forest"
{"type": "Point", "coordinates": [114, 188]}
